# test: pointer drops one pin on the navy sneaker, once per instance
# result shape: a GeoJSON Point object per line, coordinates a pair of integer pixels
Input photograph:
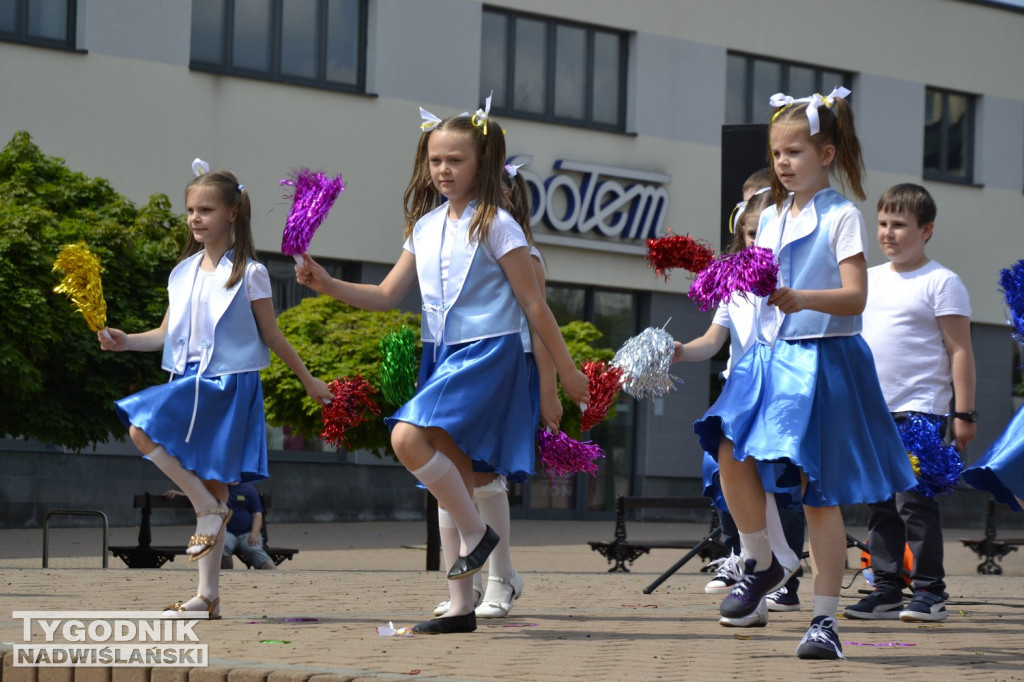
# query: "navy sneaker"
{"type": "Point", "coordinates": [783, 599]}
{"type": "Point", "coordinates": [757, 619]}
{"type": "Point", "coordinates": [747, 593]}
{"type": "Point", "coordinates": [925, 607]}
{"type": "Point", "coordinates": [879, 605]}
{"type": "Point", "coordinates": [821, 641]}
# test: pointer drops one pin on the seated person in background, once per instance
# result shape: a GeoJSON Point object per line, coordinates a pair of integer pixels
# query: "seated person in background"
{"type": "Point", "coordinates": [244, 537]}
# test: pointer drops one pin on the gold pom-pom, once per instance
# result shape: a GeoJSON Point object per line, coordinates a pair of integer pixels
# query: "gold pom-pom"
{"type": "Point", "coordinates": [82, 283]}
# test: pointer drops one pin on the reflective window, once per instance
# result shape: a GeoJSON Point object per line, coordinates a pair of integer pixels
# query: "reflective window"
{"type": "Point", "coordinates": [48, 23]}
{"type": "Point", "coordinates": [310, 42]}
{"type": "Point", "coordinates": [948, 136]}
{"type": "Point", "coordinates": [550, 70]}
{"type": "Point", "coordinates": [751, 81]}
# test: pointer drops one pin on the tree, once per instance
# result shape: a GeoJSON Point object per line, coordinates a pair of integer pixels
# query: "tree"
{"type": "Point", "coordinates": [56, 385]}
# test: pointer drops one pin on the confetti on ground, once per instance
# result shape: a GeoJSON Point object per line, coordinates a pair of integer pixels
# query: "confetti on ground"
{"type": "Point", "coordinates": [300, 620]}
{"type": "Point", "coordinates": [389, 630]}
{"type": "Point", "coordinates": [741, 636]}
{"type": "Point", "coordinates": [881, 645]}
{"type": "Point", "coordinates": [275, 641]}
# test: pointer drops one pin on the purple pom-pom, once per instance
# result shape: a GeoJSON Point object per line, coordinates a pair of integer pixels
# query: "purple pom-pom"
{"type": "Point", "coordinates": [938, 466]}
{"type": "Point", "coordinates": [753, 270]}
{"type": "Point", "coordinates": [1011, 282]}
{"type": "Point", "coordinates": [563, 457]}
{"type": "Point", "coordinates": [314, 195]}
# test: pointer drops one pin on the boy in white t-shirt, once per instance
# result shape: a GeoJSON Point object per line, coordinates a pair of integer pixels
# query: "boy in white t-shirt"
{"type": "Point", "coordinates": [918, 324]}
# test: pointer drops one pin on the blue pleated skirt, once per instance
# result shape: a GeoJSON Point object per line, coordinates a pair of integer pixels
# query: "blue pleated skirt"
{"type": "Point", "coordinates": [480, 393]}
{"type": "Point", "coordinates": [812, 406]}
{"type": "Point", "coordinates": [229, 438]}
{"type": "Point", "coordinates": [1000, 470]}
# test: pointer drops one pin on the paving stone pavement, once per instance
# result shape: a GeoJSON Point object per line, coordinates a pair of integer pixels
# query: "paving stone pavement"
{"type": "Point", "coordinates": [315, 619]}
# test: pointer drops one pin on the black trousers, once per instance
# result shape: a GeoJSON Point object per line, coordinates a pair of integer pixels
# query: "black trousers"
{"type": "Point", "coordinates": [908, 518]}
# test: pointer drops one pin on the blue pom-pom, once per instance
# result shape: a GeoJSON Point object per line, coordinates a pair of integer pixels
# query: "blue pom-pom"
{"type": "Point", "coordinates": [939, 465]}
{"type": "Point", "coordinates": [1011, 282]}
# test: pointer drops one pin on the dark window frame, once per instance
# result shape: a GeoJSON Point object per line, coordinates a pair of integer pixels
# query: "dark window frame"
{"type": "Point", "coordinates": [943, 174]}
{"type": "Point", "coordinates": [21, 34]}
{"type": "Point", "coordinates": [550, 26]}
{"type": "Point", "coordinates": [273, 74]}
{"type": "Point", "coordinates": [785, 64]}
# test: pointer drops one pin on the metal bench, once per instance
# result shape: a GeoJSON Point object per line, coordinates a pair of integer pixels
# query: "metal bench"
{"type": "Point", "coordinates": [145, 555]}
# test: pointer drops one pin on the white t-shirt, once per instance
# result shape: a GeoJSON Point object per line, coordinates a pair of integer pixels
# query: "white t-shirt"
{"type": "Point", "coordinates": [257, 286]}
{"type": "Point", "coordinates": [738, 317]}
{"type": "Point", "coordinates": [902, 328]}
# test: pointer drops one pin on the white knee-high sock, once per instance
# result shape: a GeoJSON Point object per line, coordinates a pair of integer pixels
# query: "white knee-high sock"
{"type": "Point", "coordinates": [209, 571]}
{"type": "Point", "coordinates": [493, 502]}
{"type": "Point", "coordinates": [200, 497]}
{"type": "Point", "coordinates": [777, 536]}
{"type": "Point", "coordinates": [756, 546]}
{"type": "Point", "coordinates": [460, 592]}
{"type": "Point", "coordinates": [445, 483]}
{"type": "Point", "coordinates": [450, 546]}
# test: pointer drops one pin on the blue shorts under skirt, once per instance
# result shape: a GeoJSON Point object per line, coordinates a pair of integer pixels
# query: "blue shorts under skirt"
{"type": "Point", "coordinates": [480, 393]}
{"type": "Point", "coordinates": [1000, 470]}
{"type": "Point", "coordinates": [813, 406]}
{"type": "Point", "coordinates": [229, 438]}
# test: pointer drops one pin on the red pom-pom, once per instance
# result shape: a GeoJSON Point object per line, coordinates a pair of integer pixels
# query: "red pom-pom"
{"type": "Point", "coordinates": [605, 382]}
{"type": "Point", "coordinates": [352, 405]}
{"type": "Point", "coordinates": [678, 251]}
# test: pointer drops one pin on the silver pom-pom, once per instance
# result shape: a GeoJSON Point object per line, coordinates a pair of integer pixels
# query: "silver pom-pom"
{"type": "Point", "coordinates": [645, 360]}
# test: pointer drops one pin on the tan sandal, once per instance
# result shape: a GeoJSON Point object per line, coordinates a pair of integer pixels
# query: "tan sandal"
{"type": "Point", "coordinates": [212, 608]}
{"type": "Point", "coordinates": [225, 513]}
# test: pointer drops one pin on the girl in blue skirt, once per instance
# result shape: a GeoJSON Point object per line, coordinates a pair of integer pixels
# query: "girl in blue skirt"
{"type": "Point", "coordinates": [205, 428]}
{"type": "Point", "coordinates": [806, 395]}
{"type": "Point", "coordinates": [473, 400]}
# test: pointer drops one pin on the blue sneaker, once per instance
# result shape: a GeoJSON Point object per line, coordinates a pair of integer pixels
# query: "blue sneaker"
{"type": "Point", "coordinates": [821, 641]}
{"type": "Point", "coordinates": [783, 599]}
{"type": "Point", "coordinates": [925, 607]}
{"type": "Point", "coordinates": [747, 593]}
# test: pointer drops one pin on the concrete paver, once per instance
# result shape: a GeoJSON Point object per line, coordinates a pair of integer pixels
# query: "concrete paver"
{"type": "Point", "coordinates": [315, 618]}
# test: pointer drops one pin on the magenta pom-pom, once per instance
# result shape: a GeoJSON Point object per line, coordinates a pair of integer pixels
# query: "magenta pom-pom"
{"type": "Point", "coordinates": [563, 457]}
{"type": "Point", "coordinates": [753, 270]}
{"type": "Point", "coordinates": [314, 196]}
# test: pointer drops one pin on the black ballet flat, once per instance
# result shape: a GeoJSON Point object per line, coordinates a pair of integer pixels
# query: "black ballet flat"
{"type": "Point", "coordinates": [466, 566]}
{"type": "Point", "coordinates": [447, 625]}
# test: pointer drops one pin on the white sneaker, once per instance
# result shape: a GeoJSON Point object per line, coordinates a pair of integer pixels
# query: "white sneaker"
{"type": "Point", "coordinates": [730, 571]}
{"type": "Point", "coordinates": [758, 618]}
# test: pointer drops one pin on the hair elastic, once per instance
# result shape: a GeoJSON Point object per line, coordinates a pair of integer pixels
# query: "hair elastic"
{"type": "Point", "coordinates": [241, 187]}
{"type": "Point", "coordinates": [513, 169]}
{"type": "Point", "coordinates": [813, 102]}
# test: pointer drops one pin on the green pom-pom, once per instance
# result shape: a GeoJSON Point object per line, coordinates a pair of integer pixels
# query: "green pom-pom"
{"type": "Point", "coordinates": [398, 366]}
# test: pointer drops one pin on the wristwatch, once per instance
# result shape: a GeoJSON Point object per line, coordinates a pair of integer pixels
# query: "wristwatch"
{"type": "Point", "coordinates": [971, 416]}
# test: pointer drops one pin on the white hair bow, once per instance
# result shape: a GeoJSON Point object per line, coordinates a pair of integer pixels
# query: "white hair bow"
{"type": "Point", "coordinates": [813, 102]}
{"type": "Point", "coordinates": [200, 167]}
{"type": "Point", "coordinates": [481, 115]}
{"type": "Point", "coordinates": [513, 169]}
{"type": "Point", "coordinates": [429, 120]}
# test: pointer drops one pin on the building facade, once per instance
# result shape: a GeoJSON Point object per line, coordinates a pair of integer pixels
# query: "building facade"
{"type": "Point", "coordinates": [619, 112]}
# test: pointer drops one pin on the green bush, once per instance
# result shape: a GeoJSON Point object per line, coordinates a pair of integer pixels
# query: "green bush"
{"type": "Point", "coordinates": [56, 385]}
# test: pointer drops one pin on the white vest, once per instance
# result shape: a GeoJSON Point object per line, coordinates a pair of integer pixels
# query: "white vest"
{"type": "Point", "coordinates": [478, 302]}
